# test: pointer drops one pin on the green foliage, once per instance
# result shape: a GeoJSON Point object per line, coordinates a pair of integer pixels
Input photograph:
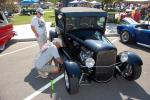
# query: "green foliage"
{"type": "Point", "coordinates": [54, 1]}
{"type": "Point", "coordinates": [53, 24]}
{"type": "Point", "coordinates": [18, 20]}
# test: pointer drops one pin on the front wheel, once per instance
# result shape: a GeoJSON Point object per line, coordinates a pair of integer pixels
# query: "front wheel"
{"type": "Point", "coordinates": [2, 47]}
{"type": "Point", "coordinates": [125, 37]}
{"type": "Point", "coordinates": [132, 72]}
{"type": "Point", "coordinates": [71, 83]}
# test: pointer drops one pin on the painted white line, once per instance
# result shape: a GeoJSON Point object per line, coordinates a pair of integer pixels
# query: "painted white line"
{"type": "Point", "coordinates": [36, 93]}
{"type": "Point", "coordinates": [43, 88]}
{"type": "Point", "coordinates": [114, 40]}
{"type": "Point", "coordinates": [17, 50]}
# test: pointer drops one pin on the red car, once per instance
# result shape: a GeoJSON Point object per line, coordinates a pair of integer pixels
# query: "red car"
{"type": "Point", "coordinates": [6, 31]}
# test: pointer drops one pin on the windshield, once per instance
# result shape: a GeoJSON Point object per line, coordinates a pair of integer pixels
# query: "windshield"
{"type": "Point", "coordinates": [84, 22]}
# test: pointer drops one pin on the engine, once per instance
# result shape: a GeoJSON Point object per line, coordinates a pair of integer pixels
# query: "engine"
{"type": "Point", "coordinates": [86, 57]}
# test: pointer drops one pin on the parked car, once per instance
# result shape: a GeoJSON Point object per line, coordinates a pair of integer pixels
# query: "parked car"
{"type": "Point", "coordinates": [131, 31]}
{"type": "Point", "coordinates": [6, 31]}
{"type": "Point", "coordinates": [88, 54]}
{"type": "Point", "coordinates": [26, 12]}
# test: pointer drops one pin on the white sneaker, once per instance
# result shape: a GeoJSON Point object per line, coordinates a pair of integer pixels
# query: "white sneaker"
{"type": "Point", "coordinates": [42, 74]}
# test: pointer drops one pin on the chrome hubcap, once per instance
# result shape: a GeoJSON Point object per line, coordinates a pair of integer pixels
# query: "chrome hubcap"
{"type": "Point", "coordinates": [125, 37]}
{"type": "Point", "coordinates": [66, 80]}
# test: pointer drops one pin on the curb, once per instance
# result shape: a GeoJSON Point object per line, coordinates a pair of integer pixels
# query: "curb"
{"type": "Point", "coordinates": [112, 35]}
{"type": "Point", "coordinates": [24, 40]}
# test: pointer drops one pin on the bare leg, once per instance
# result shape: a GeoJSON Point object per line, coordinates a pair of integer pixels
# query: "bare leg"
{"type": "Point", "coordinates": [50, 69]}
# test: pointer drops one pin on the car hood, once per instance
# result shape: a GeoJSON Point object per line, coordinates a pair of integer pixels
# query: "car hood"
{"type": "Point", "coordinates": [130, 21]}
{"type": "Point", "coordinates": [98, 45]}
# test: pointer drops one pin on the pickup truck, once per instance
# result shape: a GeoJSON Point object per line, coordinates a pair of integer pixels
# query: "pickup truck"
{"type": "Point", "coordinates": [6, 31]}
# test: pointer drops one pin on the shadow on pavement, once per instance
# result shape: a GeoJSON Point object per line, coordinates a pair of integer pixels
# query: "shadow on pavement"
{"type": "Point", "coordinates": [37, 82]}
{"type": "Point", "coordinates": [137, 46]}
{"type": "Point", "coordinates": [114, 90]}
{"type": "Point", "coordinates": [8, 44]}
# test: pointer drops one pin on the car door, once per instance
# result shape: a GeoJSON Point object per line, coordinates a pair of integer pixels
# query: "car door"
{"type": "Point", "coordinates": [69, 46]}
{"type": "Point", "coordinates": [143, 36]}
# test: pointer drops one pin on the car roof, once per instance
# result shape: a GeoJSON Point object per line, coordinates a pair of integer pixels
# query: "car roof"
{"type": "Point", "coordinates": [82, 11]}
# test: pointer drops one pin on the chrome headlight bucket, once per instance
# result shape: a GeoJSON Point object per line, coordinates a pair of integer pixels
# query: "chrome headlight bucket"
{"type": "Point", "coordinates": [89, 62]}
{"type": "Point", "coordinates": [124, 57]}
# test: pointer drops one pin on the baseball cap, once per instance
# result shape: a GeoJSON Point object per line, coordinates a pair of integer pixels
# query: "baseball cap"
{"type": "Point", "coordinates": [40, 10]}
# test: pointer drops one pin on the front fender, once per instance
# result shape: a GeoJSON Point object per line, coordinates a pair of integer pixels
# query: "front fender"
{"type": "Point", "coordinates": [133, 58]}
{"type": "Point", "coordinates": [72, 68]}
{"type": "Point", "coordinates": [131, 31]}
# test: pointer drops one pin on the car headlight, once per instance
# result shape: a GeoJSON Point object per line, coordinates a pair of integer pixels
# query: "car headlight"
{"type": "Point", "coordinates": [89, 62]}
{"type": "Point", "coordinates": [124, 57]}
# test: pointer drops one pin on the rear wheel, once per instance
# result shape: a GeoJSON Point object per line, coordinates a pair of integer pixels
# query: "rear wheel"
{"type": "Point", "coordinates": [132, 72]}
{"type": "Point", "coordinates": [71, 83]}
{"type": "Point", "coordinates": [125, 37]}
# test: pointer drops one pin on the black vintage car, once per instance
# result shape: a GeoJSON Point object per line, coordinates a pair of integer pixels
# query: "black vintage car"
{"type": "Point", "coordinates": [88, 54]}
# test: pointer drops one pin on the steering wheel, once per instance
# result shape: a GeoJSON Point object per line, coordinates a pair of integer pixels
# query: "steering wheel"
{"type": "Point", "coordinates": [69, 26]}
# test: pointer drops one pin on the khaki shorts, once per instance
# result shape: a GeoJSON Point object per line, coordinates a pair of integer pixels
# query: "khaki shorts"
{"type": "Point", "coordinates": [42, 40]}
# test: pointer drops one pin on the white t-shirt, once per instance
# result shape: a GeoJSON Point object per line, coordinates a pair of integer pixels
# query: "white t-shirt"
{"type": "Point", "coordinates": [39, 25]}
{"type": "Point", "coordinates": [44, 57]}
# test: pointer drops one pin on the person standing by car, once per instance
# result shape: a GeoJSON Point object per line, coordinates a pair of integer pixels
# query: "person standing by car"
{"type": "Point", "coordinates": [49, 53]}
{"type": "Point", "coordinates": [136, 15]}
{"type": "Point", "coordinates": [39, 28]}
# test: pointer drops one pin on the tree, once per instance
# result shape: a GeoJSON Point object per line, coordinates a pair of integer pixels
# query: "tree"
{"type": "Point", "coordinates": [104, 2]}
{"type": "Point", "coordinates": [8, 4]}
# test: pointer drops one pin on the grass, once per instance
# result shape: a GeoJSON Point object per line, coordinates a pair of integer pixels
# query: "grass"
{"type": "Point", "coordinates": [49, 9]}
{"type": "Point", "coordinates": [19, 20]}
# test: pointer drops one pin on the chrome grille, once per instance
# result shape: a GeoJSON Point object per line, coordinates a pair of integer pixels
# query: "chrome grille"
{"type": "Point", "coordinates": [106, 58]}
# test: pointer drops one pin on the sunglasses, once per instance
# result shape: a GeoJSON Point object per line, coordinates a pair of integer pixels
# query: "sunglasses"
{"type": "Point", "coordinates": [39, 13]}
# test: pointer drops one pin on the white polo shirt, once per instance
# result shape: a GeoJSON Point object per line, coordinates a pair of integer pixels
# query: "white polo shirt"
{"type": "Point", "coordinates": [44, 57]}
{"type": "Point", "coordinates": [39, 25]}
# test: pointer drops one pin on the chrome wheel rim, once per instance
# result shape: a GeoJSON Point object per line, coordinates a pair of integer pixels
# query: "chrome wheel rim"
{"type": "Point", "coordinates": [66, 80]}
{"type": "Point", "coordinates": [125, 36]}
{"type": "Point", "coordinates": [128, 70]}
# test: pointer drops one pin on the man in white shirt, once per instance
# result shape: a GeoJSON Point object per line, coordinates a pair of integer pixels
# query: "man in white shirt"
{"type": "Point", "coordinates": [39, 28]}
{"type": "Point", "coordinates": [49, 53]}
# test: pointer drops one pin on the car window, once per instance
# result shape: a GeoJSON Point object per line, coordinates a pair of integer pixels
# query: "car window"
{"type": "Point", "coordinates": [99, 36]}
{"type": "Point", "coordinates": [100, 21]}
{"type": "Point", "coordinates": [124, 23]}
{"type": "Point", "coordinates": [3, 19]}
{"type": "Point", "coordinates": [84, 22]}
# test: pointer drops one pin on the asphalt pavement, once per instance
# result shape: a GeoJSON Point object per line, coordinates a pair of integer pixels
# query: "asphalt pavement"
{"type": "Point", "coordinates": [18, 77]}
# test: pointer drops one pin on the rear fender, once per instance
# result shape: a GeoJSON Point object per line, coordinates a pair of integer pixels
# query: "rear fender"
{"type": "Point", "coordinates": [72, 68]}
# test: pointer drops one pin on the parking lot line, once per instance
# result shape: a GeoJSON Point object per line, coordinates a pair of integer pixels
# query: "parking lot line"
{"type": "Point", "coordinates": [17, 50]}
{"type": "Point", "coordinates": [36, 93]}
{"type": "Point", "coordinates": [43, 88]}
{"type": "Point", "coordinates": [114, 40]}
